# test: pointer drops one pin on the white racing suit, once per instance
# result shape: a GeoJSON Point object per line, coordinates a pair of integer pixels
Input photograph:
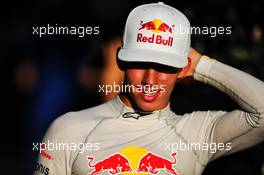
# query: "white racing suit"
{"type": "Point", "coordinates": [113, 138]}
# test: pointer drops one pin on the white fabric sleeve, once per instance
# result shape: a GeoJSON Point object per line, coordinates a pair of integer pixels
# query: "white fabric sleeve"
{"type": "Point", "coordinates": [242, 128]}
{"type": "Point", "coordinates": [52, 160]}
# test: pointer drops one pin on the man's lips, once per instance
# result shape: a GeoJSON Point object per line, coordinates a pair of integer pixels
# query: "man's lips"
{"type": "Point", "coordinates": [149, 96]}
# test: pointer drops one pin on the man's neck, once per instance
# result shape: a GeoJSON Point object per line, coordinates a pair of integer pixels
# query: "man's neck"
{"type": "Point", "coordinates": [125, 100]}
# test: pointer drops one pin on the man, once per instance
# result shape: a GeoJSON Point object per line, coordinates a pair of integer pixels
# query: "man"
{"type": "Point", "coordinates": [137, 133]}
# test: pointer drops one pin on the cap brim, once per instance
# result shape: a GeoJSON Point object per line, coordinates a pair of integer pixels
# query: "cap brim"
{"type": "Point", "coordinates": [154, 56]}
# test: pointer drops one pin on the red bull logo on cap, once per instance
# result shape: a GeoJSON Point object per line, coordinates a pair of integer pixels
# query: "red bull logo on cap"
{"type": "Point", "coordinates": [157, 26]}
{"type": "Point", "coordinates": [134, 160]}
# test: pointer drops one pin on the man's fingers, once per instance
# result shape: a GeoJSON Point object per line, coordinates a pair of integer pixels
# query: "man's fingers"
{"type": "Point", "coordinates": [194, 54]}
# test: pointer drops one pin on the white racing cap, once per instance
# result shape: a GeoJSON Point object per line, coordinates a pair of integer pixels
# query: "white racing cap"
{"type": "Point", "coordinates": [156, 33]}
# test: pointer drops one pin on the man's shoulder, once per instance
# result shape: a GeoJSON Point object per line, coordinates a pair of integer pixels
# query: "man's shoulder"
{"type": "Point", "coordinates": [80, 122]}
{"type": "Point", "coordinates": [195, 126]}
{"type": "Point", "coordinates": [203, 114]}
{"type": "Point", "coordinates": [199, 120]}
{"type": "Point", "coordinates": [201, 117]}
{"type": "Point", "coordinates": [194, 118]}
{"type": "Point", "coordinates": [93, 114]}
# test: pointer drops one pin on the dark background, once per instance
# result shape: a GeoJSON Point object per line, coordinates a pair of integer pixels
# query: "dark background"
{"type": "Point", "coordinates": [42, 78]}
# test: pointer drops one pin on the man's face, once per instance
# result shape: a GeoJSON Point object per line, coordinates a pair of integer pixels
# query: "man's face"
{"type": "Point", "coordinates": [155, 80]}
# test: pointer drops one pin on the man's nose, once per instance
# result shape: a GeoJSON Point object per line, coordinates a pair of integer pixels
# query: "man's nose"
{"type": "Point", "coordinates": [150, 77]}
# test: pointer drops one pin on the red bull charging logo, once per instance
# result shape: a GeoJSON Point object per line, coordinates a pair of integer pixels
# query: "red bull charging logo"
{"type": "Point", "coordinates": [157, 26]}
{"type": "Point", "coordinates": [133, 160]}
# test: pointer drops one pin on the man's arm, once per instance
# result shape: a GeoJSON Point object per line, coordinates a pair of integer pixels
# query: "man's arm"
{"type": "Point", "coordinates": [242, 128]}
{"type": "Point", "coordinates": [54, 160]}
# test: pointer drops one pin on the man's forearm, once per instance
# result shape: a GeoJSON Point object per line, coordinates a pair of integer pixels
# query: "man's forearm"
{"type": "Point", "coordinates": [241, 128]}
{"type": "Point", "coordinates": [245, 89]}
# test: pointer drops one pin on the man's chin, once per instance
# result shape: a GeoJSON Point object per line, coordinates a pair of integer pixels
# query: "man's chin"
{"type": "Point", "coordinates": [148, 107]}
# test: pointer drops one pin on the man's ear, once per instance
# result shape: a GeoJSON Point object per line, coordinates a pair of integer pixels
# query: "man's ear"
{"type": "Point", "coordinates": [183, 73]}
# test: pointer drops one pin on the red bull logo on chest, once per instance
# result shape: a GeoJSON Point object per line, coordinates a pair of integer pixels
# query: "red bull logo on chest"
{"type": "Point", "coordinates": [157, 27]}
{"type": "Point", "coordinates": [133, 160]}
{"type": "Point", "coordinates": [113, 164]}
